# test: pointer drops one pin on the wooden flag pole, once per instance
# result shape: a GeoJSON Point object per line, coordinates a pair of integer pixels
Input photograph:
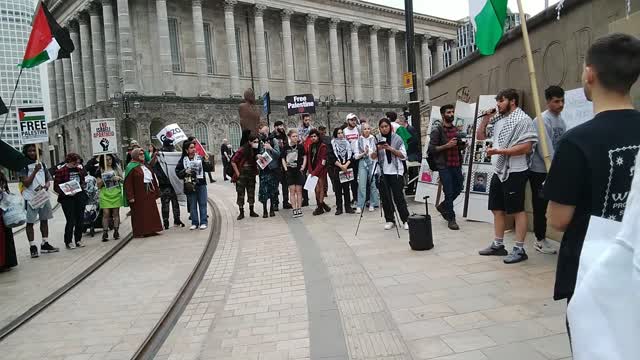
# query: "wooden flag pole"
{"type": "Point", "coordinates": [37, 153]}
{"type": "Point", "coordinates": [534, 88]}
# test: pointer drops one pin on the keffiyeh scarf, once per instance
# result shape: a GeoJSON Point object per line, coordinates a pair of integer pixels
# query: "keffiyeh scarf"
{"type": "Point", "coordinates": [342, 149]}
{"type": "Point", "coordinates": [517, 129]}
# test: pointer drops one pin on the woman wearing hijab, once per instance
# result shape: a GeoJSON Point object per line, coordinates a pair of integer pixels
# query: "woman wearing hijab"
{"type": "Point", "coordinates": [245, 170]}
{"type": "Point", "coordinates": [67, 178]}
{"type": "Point", "coordinates": [191, 168]}
{"type": "Point", "coordinates": [317, 156]}
{"type": "Point", "coordinates": [8, 258]}
{"type": "Point", "coordinates": [111, 197]}
{"type": "Point", "coordinates": [364, 150]}
{"type": "Point", "coordinates": [141, 189]}
{"type": "Point", "coordinates": [391, 153]}
{"type": "Point", "coordinates": [340, 161]}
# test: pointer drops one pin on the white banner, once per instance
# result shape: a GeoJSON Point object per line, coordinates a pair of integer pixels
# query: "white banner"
{"type": "Point", "coordinates": [32, 124]}
{"type": "Point", "coordinates": [172, 131]}
{"type": "Point", "coordinates": [168, 162]}
{"type": "Point", "coordinates": [103, 136]}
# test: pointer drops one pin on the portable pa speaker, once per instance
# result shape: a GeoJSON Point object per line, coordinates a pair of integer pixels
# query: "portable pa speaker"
{"type": "Point", "coordinates": [420, 232]}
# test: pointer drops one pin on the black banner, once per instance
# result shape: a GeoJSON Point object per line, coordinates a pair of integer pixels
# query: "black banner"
{"type": "Point", "coordinates": [300, 104]}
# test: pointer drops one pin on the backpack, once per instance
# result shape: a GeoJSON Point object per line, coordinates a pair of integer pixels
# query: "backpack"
{"type": "Point", "coordinates": [431, 157]}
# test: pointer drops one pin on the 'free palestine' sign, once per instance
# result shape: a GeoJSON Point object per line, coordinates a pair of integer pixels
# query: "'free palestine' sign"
{"type": "Point", "coordinates": [300, 104]}
{"type": "Point", "coordinates": [32, 122]}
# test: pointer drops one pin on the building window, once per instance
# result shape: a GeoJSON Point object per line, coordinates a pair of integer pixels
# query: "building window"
{"type": "Point", "coordinates": [235, 134]}
{"type": "Point", "coordinates": [239, 52]}
{"type": "Point", "coordinates": [268, 53]}
{"type": "Point", "coordinates": [208, 49]}
{"type": "Point", "coordinates": [174, 41]}
{"type": "Point", "coordinates": [202, 134]}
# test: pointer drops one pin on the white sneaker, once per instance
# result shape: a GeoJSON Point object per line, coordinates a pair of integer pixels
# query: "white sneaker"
{"type": "Point", "coordinates": [358, 210]}
{"type": "Point", "coordinates": [372, 209]}
{"type": "Point", "coordinates": [545, 247]}
{"type": "Point", "coordinates": [203, 227]}
{"type": "Point", "coordinates": [389, 226]}
{"type": "Point", "coordinates": [406, 226]}
{"type": "Point", "coordinates": [193, 227]}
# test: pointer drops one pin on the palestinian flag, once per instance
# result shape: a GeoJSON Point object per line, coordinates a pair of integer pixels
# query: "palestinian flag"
{"type": "Point", "coordinates": [48, 40]}
{"type": "Point", "coordinates": [35, 113]}
{"type": "Point", "coordinates": [488, 17]}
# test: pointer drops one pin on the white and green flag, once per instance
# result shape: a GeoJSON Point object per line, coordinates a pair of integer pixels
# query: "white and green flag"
{"type": "Point", "coordinates": [488, 18]}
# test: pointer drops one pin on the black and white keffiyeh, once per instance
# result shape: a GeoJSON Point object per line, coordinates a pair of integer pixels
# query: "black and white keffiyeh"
{"type": "Point", "coordinates": [517, 128]}
{"type": "Point", "coordinates": [342, 149]}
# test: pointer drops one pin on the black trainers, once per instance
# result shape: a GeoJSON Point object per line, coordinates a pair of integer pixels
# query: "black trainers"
{"type": "Point", "coordinates": [325, 207]}
{"type": "Point", "coordinates": [517, 255]}
{"type": "Point", "coordinates": [105, 236]}
{"type": "Point", "coordinates": [48, 248]}
{"type": "Point", "coordinates": [453, 225]}
{"type": "Point", "coordinates": [116, 234]}
{"type": "Point", "coordinates": [34, 251]}
{"type": "Point", "coordinates": [272, 212]}
{"type": "Point", "coordinates": [318, 211]}
{"type": "Point", "coordinates": [494, 250]}
{"type": "Point", "coordinates": [178, 223]}
{"type": "Point", "coordinates": [339, 212]}
{"type": "Point", "coordinates": [79, 244]}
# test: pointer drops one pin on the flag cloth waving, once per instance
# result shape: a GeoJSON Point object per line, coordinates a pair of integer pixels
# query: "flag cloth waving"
{"type": "Point", "coordinates": [488, 17]}
{"type": "Point", "coordinates": [48, 40]}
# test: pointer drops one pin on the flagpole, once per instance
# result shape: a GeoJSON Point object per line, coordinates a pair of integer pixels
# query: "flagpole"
{"type": "Point", "coordinates": [534, 88]}
{"type": "Point", "coordinates": [13, 94]}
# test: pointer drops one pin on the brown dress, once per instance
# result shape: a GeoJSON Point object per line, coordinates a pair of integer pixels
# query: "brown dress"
{"type": "Point", "coordinates": [145, 218]}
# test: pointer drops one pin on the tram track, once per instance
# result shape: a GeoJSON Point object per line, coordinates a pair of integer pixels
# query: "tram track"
{"type": "Point", "coordinates": [167, 321]}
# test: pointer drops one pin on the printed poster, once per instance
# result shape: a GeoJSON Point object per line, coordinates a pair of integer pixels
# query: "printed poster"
{"type": "Point", "coordinates": [577, 109]}
{"type": "Point", "coordinates": [32, 123]}
{"type": "Point", "coordinates": [103, 136]}
{"type": "Point", "coordinates": [172, 131]}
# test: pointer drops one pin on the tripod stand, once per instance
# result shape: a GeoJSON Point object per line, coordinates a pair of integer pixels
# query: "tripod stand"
{"type": "Point", "coordinates": [395, 214]}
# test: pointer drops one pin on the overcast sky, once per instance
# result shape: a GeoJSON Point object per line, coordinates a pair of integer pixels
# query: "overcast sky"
{"type": "Point", "coordinates": [457, 9]}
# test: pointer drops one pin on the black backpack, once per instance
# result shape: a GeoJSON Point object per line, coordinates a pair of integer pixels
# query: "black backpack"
{"type": "Point", "coordinates": [431, 157]}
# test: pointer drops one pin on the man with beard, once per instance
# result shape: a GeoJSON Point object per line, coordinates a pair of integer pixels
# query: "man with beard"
{"type": "Point", "coordinates": [444, 145]}
{"type": "Point", "coordinates": [280, 135]}
{"type": "Point", "coordinates": [514, 137]}
{"type": "Point", "coordinates": [249, 116]}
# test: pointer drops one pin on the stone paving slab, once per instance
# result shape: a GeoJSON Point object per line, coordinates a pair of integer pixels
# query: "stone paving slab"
{"type": "Point", "coordinates": [35, 279]}
{"type": "Point", "coordinates": [108, 315]}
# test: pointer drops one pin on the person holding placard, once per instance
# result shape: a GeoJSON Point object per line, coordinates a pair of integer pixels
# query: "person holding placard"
{"type": "Point", "coordinates": [293, 162]}
{"type": "Point", "coordinates": [339, 167]}
{"type": "Point", "coordinates": [111, 195]}
{"type": "Point", "coordinates": [268, 155]}
{"type": "Point", "coordinates": [317, 166]}
{"type": "Point", "coordinates": [68, 183]}
{"type": "Point", "coordinates": [191, 168]}
{"type": "Point", "coordinates": [35, 181]}
{"type": "Point", "coordinates": [365, 151]}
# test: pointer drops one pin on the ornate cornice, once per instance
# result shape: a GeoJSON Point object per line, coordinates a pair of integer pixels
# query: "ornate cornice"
{"type": "Point", "coordinates": [374, 29]}
{"type": "Point", "coordinates": [311, 19]}
{"type": "Point", "coordinates": [333, 23]}
{"type": "Point", "coordinates": [259, 9]}
{"type": "Point", "coordinates": [286, 14]}
{"type": "Point", "coordinates": [355, 25]}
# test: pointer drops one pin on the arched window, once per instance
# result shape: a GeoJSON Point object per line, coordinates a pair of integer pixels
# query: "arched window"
{"type": "Point", "coordinates": [235, 134]}
{"type": "Point", "coordinates": [202, 135]}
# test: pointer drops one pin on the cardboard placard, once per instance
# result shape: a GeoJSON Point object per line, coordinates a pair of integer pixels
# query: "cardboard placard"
{"type": "Point", "coordinates": [300, 104]}
{"type": "Point", "coordinates": [172, 131]}
{"type": "Point", "coordinates": [103, 136]}
{"type": "Point", "coordinates": [32, 124]}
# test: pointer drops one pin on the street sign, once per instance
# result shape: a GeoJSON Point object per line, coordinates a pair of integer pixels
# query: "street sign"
{"type": "Point", "coordinates": [32, 123]}
{"type": "Point", "coordinates": [407, 82]}
{"type": "Point", "coordinates": [103, 136]}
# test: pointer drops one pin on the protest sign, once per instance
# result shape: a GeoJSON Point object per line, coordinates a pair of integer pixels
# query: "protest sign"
{"type": "Point", "coordinates": [300, 104]}
{"type": "Point", "coordinates": [172, 131]}
{"type": "Point", "coordinates": [32, 123]}
{"type": "Point", "coordinates": [103, 136]}
{"type": "Point", "coordinates": [577, 109]}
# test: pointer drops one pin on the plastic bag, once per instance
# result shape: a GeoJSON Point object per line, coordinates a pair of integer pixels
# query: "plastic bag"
{"type": "Point", "coordinates": [14, 212]}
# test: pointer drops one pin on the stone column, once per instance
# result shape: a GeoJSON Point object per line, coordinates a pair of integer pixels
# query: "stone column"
{"type": "Point", "coordinates": [426, 64]}
{"type": "Point", "coordinates": [98, 53]}
{"type": "Point", "coordinates": [393, 66]}
{"type": "Point", "coordinates": [76, 65]}
{"type": "Point", "coordinates": [68, 85]}
{"type": "Point", "coordinates": [110, 48]}
{"type": "Point", "coordinates": [87, 61]}
{"type": "Point", "coordinates": [164, 48]}
{"type": "Point", "coordinates": [230, 27]}
{"type": "Point", "coordinates": [60, 88]}
{"type": "Point", "coordinates": [375, 63]}
{"type": "Point", "coordinates": [288, 51]}
{"type": "Point", "coordinates": [355, 63]}
{"type": "Point", "coordinates": [439, 61]}
{"type": "Point", "coordinates": [201, 56]}
{"type": "Point", "coordinates": [335, 58]}
{"type": "Point", "coordinates": [313, 54]}
{"type": "Point", "coordinates": [53, 94]}
{"type": "Point", "coordinates": [127, 62]}
{"type": "Point", "coordinates": [261, 49]}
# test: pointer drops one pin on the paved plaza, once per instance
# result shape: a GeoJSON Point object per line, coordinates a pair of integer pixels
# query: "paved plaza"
{"type": "Point", "coordinates": [284, 288]}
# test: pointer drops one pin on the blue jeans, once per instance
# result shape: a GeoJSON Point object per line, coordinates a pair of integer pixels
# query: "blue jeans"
{"type": "Point", "coordinates": [365, 165]}
{"type": "Point", "coordinates": [452, 179]}
{"type": "Point", "coordinates": [198, 200]}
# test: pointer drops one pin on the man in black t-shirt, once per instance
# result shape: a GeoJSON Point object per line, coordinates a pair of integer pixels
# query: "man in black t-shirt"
{"type": "Point", "coordinates": [593, 166]}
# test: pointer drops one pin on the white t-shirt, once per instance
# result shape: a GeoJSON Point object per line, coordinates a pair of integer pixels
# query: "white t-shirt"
{"type": "Point", "coordinates": [517, 163]}
{"type": "Point", "coordinates": [395, 126]}
{"type": "Point", "coordinates": [351, 134]}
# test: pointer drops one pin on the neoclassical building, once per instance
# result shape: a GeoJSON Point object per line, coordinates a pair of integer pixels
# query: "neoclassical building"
{"type": "Point", "coordinates": [149, 63]}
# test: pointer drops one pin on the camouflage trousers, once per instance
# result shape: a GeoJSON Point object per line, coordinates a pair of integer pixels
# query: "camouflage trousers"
{"type": "Point", "coordinates": [168, 195]}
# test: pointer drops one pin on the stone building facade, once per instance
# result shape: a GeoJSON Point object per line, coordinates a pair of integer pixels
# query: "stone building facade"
{"type": "Point", "coordinates": [206, 52]}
